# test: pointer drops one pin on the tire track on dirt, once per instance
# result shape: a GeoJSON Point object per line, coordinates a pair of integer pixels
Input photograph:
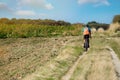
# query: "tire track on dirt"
{"type": "Point", "coordinates": [68, 75]}
{"type": "Point", "coordinates": [116, 62]}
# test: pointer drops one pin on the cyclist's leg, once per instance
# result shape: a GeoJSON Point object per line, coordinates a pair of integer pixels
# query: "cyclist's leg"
{"type": "Point", "coordinates": [88, 43]}
{"type": "Point", "coordinates": [85, 39]}
{"type": "Point", "coordinates": [88, 40]}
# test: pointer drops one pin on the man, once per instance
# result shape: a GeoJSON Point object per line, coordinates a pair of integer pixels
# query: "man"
{"type": "Point", "coordinates": [86, 34]}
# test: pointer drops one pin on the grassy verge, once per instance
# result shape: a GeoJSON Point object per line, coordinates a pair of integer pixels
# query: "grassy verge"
{"type": "Point", "coordinates": [114, 43]}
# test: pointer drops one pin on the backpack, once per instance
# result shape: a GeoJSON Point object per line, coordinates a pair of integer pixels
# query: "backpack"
{"type": "Point", "coordinates": [86, 31]}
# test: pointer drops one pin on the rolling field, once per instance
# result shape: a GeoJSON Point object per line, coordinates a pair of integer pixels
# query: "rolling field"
{"type": "Point", "coordinates": [21, 57]}
{"type": "Point", "coordinates": [51, 58]}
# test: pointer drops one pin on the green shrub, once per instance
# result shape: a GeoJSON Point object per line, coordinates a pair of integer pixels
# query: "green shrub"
{"type": "Point", "coordinates": [115, 46]}
{"type": "Point", "coordinates": [116, 19]}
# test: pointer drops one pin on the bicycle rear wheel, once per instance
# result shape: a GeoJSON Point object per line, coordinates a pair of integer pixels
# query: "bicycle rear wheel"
{"type": "Point", "coordinates": [86, 44]}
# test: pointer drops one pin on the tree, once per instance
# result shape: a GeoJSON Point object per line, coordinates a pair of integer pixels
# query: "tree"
{"type": "Point", "coordinates": [116, 19]}
{"type": "Point", "coordinates": [97, 25]}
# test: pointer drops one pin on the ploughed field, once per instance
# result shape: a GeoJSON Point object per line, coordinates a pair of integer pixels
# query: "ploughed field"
{"type": "Point", "coordinates": [51, 58]}
{"type": "Point", "coordinates": [22, 56]}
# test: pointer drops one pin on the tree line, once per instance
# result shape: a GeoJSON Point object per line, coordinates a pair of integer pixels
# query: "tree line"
{"type": "Point", "coordinates": [24, 28]}
{"type": "Point", "coordinates": [96, 25]}
{"type": "Point", "coordinates": [34, 21]}
{"type": "Point", "coordinates": [15, 28]}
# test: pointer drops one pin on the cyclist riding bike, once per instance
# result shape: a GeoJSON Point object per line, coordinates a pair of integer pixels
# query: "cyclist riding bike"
{"type": "Point", "coordinates": [87, 35]}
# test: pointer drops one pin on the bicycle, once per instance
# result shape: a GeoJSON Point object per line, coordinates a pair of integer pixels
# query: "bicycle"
{"type": "Point", "coordinates": [86, 44]}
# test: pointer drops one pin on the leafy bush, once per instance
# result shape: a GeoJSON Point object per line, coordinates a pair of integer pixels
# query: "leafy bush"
{"type": "Point", "coordinates": [116, 19]}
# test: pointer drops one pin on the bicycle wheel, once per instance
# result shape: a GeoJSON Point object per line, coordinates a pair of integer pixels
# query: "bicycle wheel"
{"type": "Point", "coordinates": [86, 44]}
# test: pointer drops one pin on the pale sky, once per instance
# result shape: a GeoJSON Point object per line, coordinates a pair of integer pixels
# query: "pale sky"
{"type": "Point", "coordinates": [72, 11]}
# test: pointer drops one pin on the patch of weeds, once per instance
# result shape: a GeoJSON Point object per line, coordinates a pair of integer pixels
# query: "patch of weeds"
{"type": "Point", "coordinates": [39, 40]}
{"type": "Point", "coordinates": [50, 79]}
{"type": "Point", "coordinates": [2, 63]}
{"type": "Point", "coordinates": [54, 54]}
{"type": "Point", "coordinates": [108, 69]}
{"type": "Point", "coordinates": [116, 47]}
{"type": "Point", "coordinates": [63, 64]}
{"type": "Point", "coordinates": [7, 41]}
{"type": "Point", "coordinates": [77, 71]}
{"type": "Point", "coordinates": [118, 34]}
{"type": "Point", "coordinates": [78, 50]}
{"type": "Point", "coordinates": [45, 78]}
{"type": "Point", "coordinates": [13, 73]}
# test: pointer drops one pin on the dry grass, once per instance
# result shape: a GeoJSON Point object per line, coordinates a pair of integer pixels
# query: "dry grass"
{"type": "Point", "coordinates": [100, 30]}
{"type": "Point", "coordinates": [102, 67]}
{"type": "Point", "coordinates": [114, 26]}
{"type": "Point", "coordinates": [93, 30]}
{"type": "Point", "coordinates": [57, 67]}
{"type": "Point", "coordinates": [50, 59]}
{"type": "Point", "coordinates": [97, 64]}
{"type": "Point", "coordinates": [24, 56]}
{"type": "Point", "coordinates": [114, 43]}
{"type": "Point", "coordinates": [95, 67]}
{"type": "Point", "coordinates": [82, 69]}
{"type": "Point", "coordinates": [37, 58]}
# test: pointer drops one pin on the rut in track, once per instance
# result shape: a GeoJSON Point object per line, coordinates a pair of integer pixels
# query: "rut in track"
{"type": "Point", "coordinates": [96, 65]}
{"type": "Point", "coordinates": [68, 75]}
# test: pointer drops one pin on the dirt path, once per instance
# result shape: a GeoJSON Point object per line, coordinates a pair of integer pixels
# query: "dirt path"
{"type": "Point", "coordinates": [116, 62]}
{"type": "Point", "coordinates": [68, 75]}
{"type": "Point", "coordinates": [95, 65]}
